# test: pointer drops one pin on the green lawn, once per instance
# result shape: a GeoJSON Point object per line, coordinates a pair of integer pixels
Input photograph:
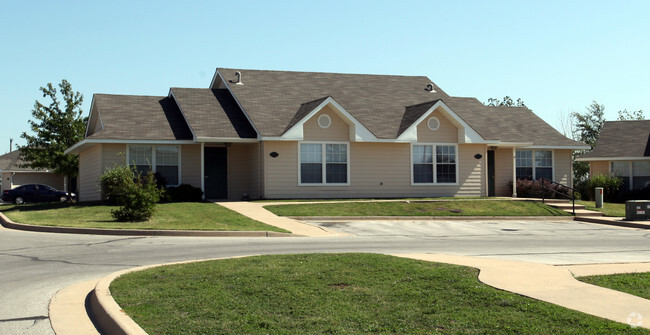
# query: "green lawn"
{"type": "Point", "coordinates": [416, 208]}
{"type": "Point", "coordinates": [610, 209]}
{"type": "Point", "coordinates": [180, 216]}
{"type": "Point", "coordinates": [633, 283]}
{"type": "Point", "coordinates": [337, 294]}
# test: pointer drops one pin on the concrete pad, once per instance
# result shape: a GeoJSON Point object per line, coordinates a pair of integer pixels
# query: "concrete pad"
{"type": "Point", "coordinates": [256, 211]}
{"type": "Point", "coordinates": [552, 284]}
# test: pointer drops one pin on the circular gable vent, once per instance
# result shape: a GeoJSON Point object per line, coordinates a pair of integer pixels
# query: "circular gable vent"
{"type": "Point", "coordinates": [324, 121]}
{"type": "Point", "coordinates": [433, 123]}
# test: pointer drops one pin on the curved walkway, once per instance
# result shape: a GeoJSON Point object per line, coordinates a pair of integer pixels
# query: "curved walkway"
{"type": "Point", "coordinates": [554, 284]}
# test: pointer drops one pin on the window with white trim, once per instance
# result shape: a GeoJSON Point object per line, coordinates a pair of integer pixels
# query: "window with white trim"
{"type": "Point", "coordinates": [534, 164]}
{"type": "Point", "coordinates": [163, 159]}
{"type": "Point", "coordinates": [324, 163]}
{"type": "Point", "coordinates": [430, 169]}
{"type": "Point", "coordinates": [635, 174]}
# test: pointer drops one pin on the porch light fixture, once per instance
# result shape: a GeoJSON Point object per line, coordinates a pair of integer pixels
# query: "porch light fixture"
{"type": "Point", "coordinates": [478, 156]}
{"type": "Point", "coordinates": [274, 154]}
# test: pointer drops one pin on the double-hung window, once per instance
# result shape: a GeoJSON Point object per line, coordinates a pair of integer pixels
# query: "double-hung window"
{"type": "Point", "coordinates": [163, 159]}
{"type": "Point", "coordinates": [324, 164]}
{"type": "Point", "coordinates": [434, 164]}
{"type": "Point", "coordinates": [534, 164]}
{"type": "Point", "coordinates": [635, 174]}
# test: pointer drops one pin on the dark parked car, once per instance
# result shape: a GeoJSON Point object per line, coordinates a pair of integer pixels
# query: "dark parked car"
{"type": "Point", "coordinates": [35, 193]}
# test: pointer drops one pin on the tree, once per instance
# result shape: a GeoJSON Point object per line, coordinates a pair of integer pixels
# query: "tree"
{"type": "Point", "coordinates": [587, 128]}
{"type": "Point", "coordinates": [54, 130]}
{"type": "Point", "coordinates": [633, 115]}
{"type": "Point", "coordinates": [507, 102]}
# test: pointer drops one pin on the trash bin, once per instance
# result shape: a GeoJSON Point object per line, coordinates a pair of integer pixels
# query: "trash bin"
{"type": "Point", "coordinates": [637, 210]}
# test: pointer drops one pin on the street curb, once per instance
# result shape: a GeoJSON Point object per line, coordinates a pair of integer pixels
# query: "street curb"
{"type": "Point", "coordinates": [431, 218]}
{"type": "Point", "coordinates": [620, 223]}
{"type": "Point", "coordinates": [7, 223]}
{"type": "Point", "coordinates": [108, 315]}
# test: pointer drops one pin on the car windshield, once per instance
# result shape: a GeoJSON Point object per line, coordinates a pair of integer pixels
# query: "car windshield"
{"type": "Point", "coordinates": [45, 188]}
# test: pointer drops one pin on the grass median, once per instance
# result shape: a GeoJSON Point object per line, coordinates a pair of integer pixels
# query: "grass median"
{"type": "Point", "coordinates": [168, 216]}
{"type": "Point", "coordinates": [337, 293]}
{"type": "Point", "coordinates": [633, 283]}
{"type": "Point", "coordinates": [419, 208]}
{"type": "Point", "coordinates": [609, 209]}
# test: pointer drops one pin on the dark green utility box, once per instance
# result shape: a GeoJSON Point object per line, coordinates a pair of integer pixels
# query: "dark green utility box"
{"type": "Point", "coordinates": [637, 210]}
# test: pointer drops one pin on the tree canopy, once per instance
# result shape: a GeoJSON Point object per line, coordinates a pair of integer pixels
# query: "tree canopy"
{"type": "Point", "coordinates": [507, 102]}
{"type": "Point", "coordinates": [55, 129]}
{"type": "Point", "coordinates": [630, 115]}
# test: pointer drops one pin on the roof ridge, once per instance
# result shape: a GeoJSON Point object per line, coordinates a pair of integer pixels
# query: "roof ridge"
{"type": "Point", "coordinates": [324, 72]}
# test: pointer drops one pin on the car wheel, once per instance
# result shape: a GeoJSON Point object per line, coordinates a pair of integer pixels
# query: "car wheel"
{"type": "Point", "coordinates": [63, 198]}
{"type": "Point", "coordinates": [19, 201]}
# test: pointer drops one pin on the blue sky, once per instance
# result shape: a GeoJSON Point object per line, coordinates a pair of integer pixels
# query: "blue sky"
{"type": "Point", "coordinates": [557, 56]}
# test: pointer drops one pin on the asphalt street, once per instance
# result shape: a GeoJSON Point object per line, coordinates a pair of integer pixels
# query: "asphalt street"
{"type": "Point", "coordinates": [34, 266]}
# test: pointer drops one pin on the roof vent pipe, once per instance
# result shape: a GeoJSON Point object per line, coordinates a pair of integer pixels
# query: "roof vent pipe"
{"type": "Point", "coordinates": [238, 82]}
{"type": "Point", "coordinates": [430, 88]}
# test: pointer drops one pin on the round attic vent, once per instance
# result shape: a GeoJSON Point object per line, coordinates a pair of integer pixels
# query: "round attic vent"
{"type": "Point", "coordinates": [324, 121]}
{"type": "Point", "coordinates": [433, 123]}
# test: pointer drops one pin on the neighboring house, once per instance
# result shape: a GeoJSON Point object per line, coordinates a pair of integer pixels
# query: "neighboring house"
{"type": "Point", "coordinates": [14, 173]}
{"type": "Point", "coordinates": [278, 134]}
{"type": "Point", "coordinates": [622, 149]}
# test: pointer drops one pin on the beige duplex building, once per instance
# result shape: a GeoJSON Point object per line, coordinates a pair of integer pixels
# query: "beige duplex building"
{"type": "Point", "coordinates": [276, 134]}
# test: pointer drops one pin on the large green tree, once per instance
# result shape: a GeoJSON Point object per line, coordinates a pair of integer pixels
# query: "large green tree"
{"type": "Point", "coordinates": [53, 129]}
{"type": "Point", "coordinates": [507, 102]}
{"type": "Point", "coordinates": [587, 127]}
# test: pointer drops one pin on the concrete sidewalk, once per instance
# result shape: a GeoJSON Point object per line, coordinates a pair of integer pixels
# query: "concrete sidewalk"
{"type": "Point", "coordinates": [256, 211]}
{"type": "Point", "coordinates": [557, 285]}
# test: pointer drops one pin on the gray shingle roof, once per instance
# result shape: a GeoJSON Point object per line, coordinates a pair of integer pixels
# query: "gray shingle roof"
{"type": "Point", "coordinates": [135, 117]}
{"type": "Point", "coordinates": [13, 162]}
{"type": "Point", "coordinates": [272, 98]}
{"type": "Point", "coordinates": [622, 139]}
{"type": "Point", "coordinates": [213, 113]}
{"type": "Point", "coordinates": [507, 124]}
{"type": "Point", "coordinates": [386, 105]}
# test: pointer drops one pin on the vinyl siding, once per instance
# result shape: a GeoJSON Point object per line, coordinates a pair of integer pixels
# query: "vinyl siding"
{"type": "Point", "coordinates": [90, 168]}
{"type": "Point", "coordinates": [563, 162]}
{"type": "Point", "coordinates": [113, 155]}
{"type": "Point", "coordinates": [599, 167]}
{"type": "Point", "coordinates": [446, 133]}
{"type": "Point", "coordinates": [191, 164]}
{"type": "Point", "coordinates": [376, 170]}
{"type": "Point", "coordinates": [503, 164]}
{"type": "Point", "coordinates": [339, 130]}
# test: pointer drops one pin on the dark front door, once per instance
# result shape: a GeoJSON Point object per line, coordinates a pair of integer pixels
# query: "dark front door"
{"type": "Point", "coordinates": [216, 173]}
{"type": "Point", "coordinates": [490, 162]}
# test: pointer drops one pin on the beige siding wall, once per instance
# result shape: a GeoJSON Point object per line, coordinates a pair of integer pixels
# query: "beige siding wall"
{"type": "Point", "coordinates": [90, 168]}
{"type": "Point", "coordinates": [446, 133]}
{"type": "Point", "coordinates": [113, 155]}
{"type": "Point", "coordinates": [562, 167]}
{"type": "Point", "coordinates": [503, 172]}
{"type": "Point", "coordinates": [599, 167]}
{"type": "Point", "coordinates": [339, 130]}
{"type": "Point", "coordinates": [191, 164]}
{"type": "Point", "coordinates": [376, 170]}
{"type": "Point", "coordinates": [22, 178]}
{"type": "Point", "coordinates": [243, 171]}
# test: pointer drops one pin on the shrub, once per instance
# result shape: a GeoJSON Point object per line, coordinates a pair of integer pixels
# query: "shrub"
{"type": "Point", "coordinates": [184, 193]}
{"type": "Point", "coordinates": [136, 193]}
{"type": "Point", "coordinates": [610, 185]}
{"type": "Point", "coordinates": [535, 189]}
